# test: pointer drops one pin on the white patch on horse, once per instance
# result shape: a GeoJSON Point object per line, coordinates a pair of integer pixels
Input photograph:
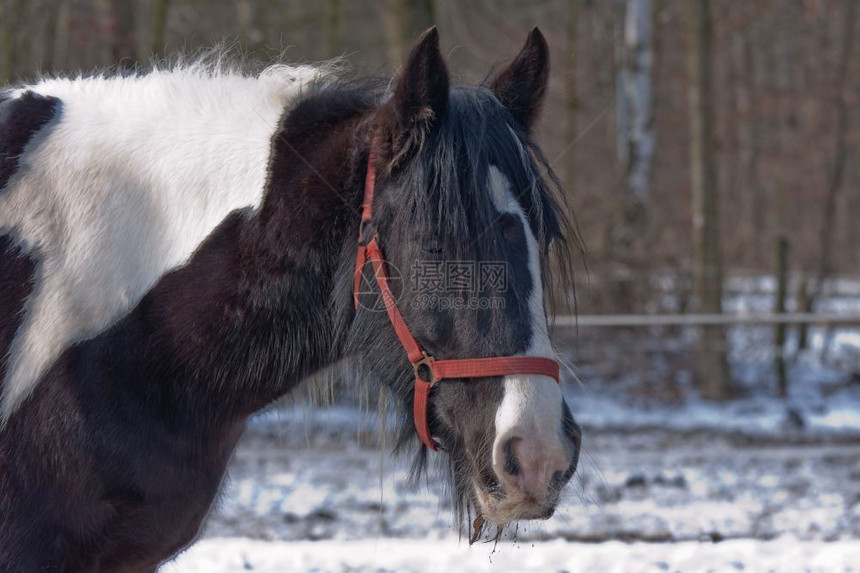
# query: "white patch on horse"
{"type": "Point", "coordinates": [531, 404]}
{"type": "Point", "coordinates": [134, 175]}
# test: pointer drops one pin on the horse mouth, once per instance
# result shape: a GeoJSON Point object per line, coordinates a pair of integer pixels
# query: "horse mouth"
{"type": "Point", "coordinates": [502, 508]}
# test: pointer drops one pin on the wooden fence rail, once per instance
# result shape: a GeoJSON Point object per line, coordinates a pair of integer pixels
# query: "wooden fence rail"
{"type": "Point", "coordinates": [730, 319]}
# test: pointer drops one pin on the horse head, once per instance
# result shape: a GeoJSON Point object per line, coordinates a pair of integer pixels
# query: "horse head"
{"type": "Point", "coordinates": [463, 207]}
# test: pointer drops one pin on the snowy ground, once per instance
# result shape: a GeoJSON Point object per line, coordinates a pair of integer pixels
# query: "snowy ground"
{"type": "Point", "coordinates": [677, 484]}
{"type": "Point", "coordinates": [648, 499]}
{"type": "Point", "coordinates": [785, 555]}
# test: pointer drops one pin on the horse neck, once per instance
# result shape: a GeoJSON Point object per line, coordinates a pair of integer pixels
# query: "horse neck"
{"type": "Point", "coordinates": [264, 292]}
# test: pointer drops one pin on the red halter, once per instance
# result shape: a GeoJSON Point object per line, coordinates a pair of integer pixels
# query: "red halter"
{"type": "Point", "coordinates": [428, 370]}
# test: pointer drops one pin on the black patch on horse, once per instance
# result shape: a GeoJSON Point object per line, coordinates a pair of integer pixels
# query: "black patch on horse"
{"type": "Point", "coordinates": [16, 283]}
{"type": "Point", "coordinates": [20, 119]}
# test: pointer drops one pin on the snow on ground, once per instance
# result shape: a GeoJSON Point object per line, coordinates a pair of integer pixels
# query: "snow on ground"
{"type": "Point", "coordinates": [785, 555]}
{"type": "Point", "coordinates": [310, 496]}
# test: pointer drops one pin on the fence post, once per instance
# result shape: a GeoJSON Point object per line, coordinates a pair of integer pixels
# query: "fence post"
{"type": "Point", "coordinates": [779, 334]}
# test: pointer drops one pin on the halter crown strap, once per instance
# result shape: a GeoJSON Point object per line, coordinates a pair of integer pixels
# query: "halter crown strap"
{"type": "Point", "coordinates": [366, 217]}
{"type": "Point", "coordinates": [428, 370]}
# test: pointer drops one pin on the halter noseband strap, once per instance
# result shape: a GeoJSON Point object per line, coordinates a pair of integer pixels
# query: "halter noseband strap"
{"type": "Point", "coordinates": [428, 370]}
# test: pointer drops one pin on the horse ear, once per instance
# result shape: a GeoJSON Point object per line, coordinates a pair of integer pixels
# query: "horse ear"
{"type": "Point", "coordinates": [421, 96]}
{"type": "Point", "coordinates": [522, 86]}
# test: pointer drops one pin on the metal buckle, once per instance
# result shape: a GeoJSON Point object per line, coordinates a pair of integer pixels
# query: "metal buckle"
{"type": "Point", "coordinates": [425, 364]}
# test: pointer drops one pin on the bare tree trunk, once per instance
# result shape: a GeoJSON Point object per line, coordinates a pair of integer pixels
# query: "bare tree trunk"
{"type": "Point", "coordinates": [332, 17]}
{"type": "Point", "coordinates": [59, 58]}
{"type": "Point", "coordinates": [836, 176]}
{"type": "Point", "coordinates": [571, 25]}
{"type": "Point", "coordinates": [392, 28]}
{"type": "Point", "coordinates": [402, 21]}
{"type": "Point", "coordinates": [159, 25]}
{"type": "Point", "coordinates": [781, 295]}
{"type": "Point", "coordinates": [622, 109]}
{"type": "Point", "coordinates": [559, 299]}
{"type": "Point", "coordinates": [713, 375]}
{"type": "Point", "coordinates": [123, 40]}
{"type": "Point", "coordinates": [249, 14]}
{"type": "Point", "coordinates": [5, 44]}
{"type": "Point", "coordinates": [12, 16]}
{"type": "Point", "coordinates": [53, 10]}
{"type": "Point", "coordinates": [244, 18]}
{"type": "Point", "coordinates": [422, 15]}
{"type": "Point", "coordinates": [781, 259]}
{"type": "Point", "coordinates": [635, 141]}
{"type": "Point", "coordinates": [637, 93]}
{"type": "Point", "coordinates": [804, 304]}
{"type": "Point", "coordinates": [781, 136]}
{"type": "Point", "coordinates": [749, 146]}
{"type": "Point", "coordinates": [854, 228]}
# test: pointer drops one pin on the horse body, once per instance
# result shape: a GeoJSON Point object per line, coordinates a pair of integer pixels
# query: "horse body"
{"type": "Point", "coordinates": [192, 292]}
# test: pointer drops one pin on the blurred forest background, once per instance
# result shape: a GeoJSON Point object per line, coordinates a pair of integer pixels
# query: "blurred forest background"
{"type": "Point", "coordinates": [705, 145]}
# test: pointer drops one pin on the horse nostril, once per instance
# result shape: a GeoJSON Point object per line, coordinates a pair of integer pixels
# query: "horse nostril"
{"type": "Point", "coordinates": [512, 466]}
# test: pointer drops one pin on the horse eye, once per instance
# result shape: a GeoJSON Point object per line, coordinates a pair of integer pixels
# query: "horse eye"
{"type": "Point", "coordinates": [511, 227]}
{"type": "Point", "coordinates": [432, 246]}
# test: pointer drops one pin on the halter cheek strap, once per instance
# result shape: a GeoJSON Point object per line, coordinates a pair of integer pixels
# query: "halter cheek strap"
{"type": "Point", "coordinates": [428, 370]}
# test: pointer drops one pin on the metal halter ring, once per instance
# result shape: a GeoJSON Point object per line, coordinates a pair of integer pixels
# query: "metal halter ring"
{"type": "Point", "coordinates": [424, 370]}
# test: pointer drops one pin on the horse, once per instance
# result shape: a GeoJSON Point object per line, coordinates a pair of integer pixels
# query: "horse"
{"type": "Point", "coordinates": [178, 250]}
